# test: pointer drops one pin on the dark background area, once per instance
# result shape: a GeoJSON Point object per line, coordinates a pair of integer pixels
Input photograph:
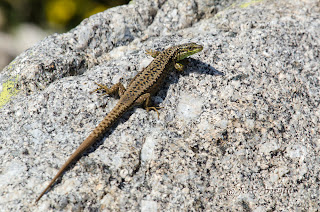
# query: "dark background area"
{"type": "Point", "coordinates": [25, 22]}
{"type": "Point", "coordinates": [51, 14]}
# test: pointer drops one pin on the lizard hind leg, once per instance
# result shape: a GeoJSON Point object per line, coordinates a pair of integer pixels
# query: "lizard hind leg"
{"type": "Point", "coordinates": [155, 109]}
{"type": "Point", "coordinates": [117, 88]}
{"type": "Point", "coordinates": [145, 99]}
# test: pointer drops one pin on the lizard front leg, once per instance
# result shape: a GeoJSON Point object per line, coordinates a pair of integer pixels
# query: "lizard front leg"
{"type": "Point", "coordinates": [145, 101]}
{"type": "Point", "coordinates": [181, 64]}
{"type": "Point", "coordinates": [114, 89]}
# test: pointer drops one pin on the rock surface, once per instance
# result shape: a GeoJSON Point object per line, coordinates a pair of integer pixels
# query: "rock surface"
{"type": "Point", "coordinates": [239, 130]}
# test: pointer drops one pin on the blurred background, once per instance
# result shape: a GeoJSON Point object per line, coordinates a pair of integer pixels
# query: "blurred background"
{"type": "Point", "coordinates": [24, 22]}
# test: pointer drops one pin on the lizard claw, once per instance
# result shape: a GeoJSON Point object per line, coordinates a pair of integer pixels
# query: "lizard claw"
{"type": "Point", "coordinates": [155, 109]}
{"type": "Point", "coordinates": [101, 87]}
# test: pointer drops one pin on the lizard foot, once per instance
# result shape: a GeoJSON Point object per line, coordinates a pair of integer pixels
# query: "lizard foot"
{"type": "Point", "coordinates": [101, 87]}
{"type": "Point", "coordinates": [155, 109]}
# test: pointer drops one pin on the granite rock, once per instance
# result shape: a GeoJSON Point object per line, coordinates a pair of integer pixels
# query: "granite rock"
{"type": "Point", "coordinates": [239, 130]}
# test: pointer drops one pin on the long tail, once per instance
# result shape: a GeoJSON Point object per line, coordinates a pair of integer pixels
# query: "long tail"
{"type": "Point", "coordinates": [105, 124]}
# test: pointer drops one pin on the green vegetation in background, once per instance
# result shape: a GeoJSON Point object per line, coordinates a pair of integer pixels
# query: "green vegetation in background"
{"type": "Point", "coordinates": [51, 14]}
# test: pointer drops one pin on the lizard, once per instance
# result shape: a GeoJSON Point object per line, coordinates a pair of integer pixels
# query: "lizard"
{"type": "Point", "coordinates": [145, 84]}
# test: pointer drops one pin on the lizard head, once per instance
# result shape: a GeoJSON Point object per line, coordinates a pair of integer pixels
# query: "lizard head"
{"type": "Point", "coordinates": [185, 50]}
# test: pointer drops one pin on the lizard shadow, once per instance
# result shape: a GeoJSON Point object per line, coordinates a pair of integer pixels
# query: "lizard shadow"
{"type": "Point", "coordinates": [172, 78]}
{"type": "Point", "coordinates": [202, 68]}
{"type": "Point", "coordinates": [193, 65]}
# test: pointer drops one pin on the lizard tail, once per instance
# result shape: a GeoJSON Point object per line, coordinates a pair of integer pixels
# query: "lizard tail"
{"type": "Point", "coordinates": [104, 125]}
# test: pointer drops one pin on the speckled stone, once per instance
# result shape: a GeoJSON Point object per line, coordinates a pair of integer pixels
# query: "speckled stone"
{"type": "Point", "coordinates": [238, 131]}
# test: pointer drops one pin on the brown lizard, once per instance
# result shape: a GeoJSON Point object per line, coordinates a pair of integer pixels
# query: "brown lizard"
{"type": "Point", "coordinates": [141, 87]}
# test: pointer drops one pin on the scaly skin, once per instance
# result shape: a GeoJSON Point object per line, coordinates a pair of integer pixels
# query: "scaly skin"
{"type": "Point", "coordinates": [141, 87]}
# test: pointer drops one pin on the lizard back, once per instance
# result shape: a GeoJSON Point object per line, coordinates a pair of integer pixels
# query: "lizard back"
{"type": "Point", "coordinates": [150, 78]}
